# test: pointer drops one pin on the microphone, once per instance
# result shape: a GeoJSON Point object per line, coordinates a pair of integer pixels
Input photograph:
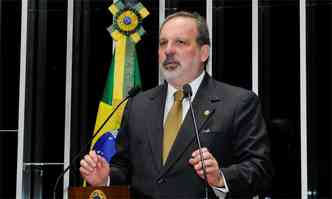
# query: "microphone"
{"type": "Point", "coordinates": [187, 94]}
{"type": "Point", "coordinates": [131, 93]}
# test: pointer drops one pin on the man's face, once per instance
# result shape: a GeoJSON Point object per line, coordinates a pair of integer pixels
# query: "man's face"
{"type": "Point", "coordinates": [181, 59]}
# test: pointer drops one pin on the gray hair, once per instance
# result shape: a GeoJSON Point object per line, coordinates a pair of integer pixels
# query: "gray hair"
{"type": "Point", "coordinates": [202, 28]}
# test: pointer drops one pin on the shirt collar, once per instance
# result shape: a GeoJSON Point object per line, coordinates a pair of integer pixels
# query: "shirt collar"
{"type": "Point", "coordinates": [193, 84]}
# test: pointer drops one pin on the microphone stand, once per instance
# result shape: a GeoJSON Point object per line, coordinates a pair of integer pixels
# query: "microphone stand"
{"type": "Point", "coordinates": [131, 93]}
{"type": "Point", "coordinates": [188, 93]}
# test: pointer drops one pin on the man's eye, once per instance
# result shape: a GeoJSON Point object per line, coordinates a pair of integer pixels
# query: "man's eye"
{"type": "Point", "coordinates": [180, 43]}
{"type": "Point", "coordinates": [162, 43]}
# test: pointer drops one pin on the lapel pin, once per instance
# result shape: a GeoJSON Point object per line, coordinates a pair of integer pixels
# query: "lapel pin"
{"type": "Point", "coordinates": [206, 113]}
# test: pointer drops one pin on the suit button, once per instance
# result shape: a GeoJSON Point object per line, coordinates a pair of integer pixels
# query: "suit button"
{"type": "Point", "coordinates": [161, 181]}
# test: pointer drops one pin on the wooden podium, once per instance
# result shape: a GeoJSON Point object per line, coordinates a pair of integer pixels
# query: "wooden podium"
{"type": "Point", "coordinates": [113, 192]}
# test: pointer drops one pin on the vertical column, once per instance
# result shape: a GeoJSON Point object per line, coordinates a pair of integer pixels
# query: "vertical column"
{"type": "Point", "coordinates": [209, 19]}
{"type": "Point", "coordinates": [255, 46]}
{"type": "Point", "coordinates": [0, 20]}
{"type": "Point", "coordinates": [303, 95]}
{"type": "Point", "coordinates": [254, 53]}
{"type": "Point", "coordinates": [69, 57]}
{"type": "Point", "coordinates": [20, 141]}
{"type": "Point", "coordinates": [162, 11]}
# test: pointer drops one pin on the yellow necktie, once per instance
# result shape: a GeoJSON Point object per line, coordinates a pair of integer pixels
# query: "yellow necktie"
{"type": "Point", "coordinates": [172, 124]}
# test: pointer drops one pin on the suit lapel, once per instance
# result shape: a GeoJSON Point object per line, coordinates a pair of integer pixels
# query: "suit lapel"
{"type": "Point", "coordinates": [204, 101]}
{"type": "Point", "coordinates": [155, 128]}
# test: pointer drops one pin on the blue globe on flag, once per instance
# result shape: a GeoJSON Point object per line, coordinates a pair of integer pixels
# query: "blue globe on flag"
{"type": "Point", "coordinates": [105, 146]}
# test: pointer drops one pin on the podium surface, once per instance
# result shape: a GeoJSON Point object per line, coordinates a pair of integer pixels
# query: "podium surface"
{"type": "Point", "coordinates": [112, 192]}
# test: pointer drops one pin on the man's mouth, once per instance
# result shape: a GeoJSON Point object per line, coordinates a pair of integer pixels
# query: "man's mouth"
{"type": "Point", "coordinates": [170, 64]}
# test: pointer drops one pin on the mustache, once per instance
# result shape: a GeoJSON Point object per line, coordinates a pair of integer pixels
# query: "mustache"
{"type": "Point", "coordinates": [170, 60]}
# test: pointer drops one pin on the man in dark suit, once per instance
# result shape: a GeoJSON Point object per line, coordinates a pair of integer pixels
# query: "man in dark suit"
{"type": "Point", "coordinates": [157, 151]}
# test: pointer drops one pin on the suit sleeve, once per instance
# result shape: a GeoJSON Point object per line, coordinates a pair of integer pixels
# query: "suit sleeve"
{"type": "Point", "coordinates": [251, 172]}
{"type": "Point", "coordinates": [120, 163]}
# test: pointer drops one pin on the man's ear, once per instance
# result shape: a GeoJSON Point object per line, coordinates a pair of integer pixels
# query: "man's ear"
{"type": "Point", "coordinates": [204, 52]}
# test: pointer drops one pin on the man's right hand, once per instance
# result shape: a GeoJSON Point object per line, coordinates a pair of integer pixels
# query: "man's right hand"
{"type": "Point", "coordinates": [94, 169]}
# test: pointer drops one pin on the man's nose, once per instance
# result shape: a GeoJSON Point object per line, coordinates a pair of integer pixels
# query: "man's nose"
{"type": "Point", "coordinates": [170, 50]}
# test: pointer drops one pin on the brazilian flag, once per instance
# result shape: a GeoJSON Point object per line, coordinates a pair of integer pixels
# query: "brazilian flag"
{"type": "Point", "coordinates": [120, 80]}
{"type": "Point", "coordinates": [123, 74]}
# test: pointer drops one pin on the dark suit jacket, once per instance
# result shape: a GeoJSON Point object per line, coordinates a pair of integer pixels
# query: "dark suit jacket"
{"type": "Point", "coordinates": [234, 132]}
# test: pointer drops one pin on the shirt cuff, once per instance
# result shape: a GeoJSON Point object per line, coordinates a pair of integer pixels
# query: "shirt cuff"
{"type": "Point", "coordinates": [108, 181]}
{"type": "Point", "coordinates": [221, 192]}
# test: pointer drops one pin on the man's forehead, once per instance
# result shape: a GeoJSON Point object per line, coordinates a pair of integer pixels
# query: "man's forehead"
{"type": "Point", "coordinates": [180, 18]}
{"type": "Point", "coordinates": [179, 27]}
{"type": "Point", "coordinates": [180, 21]}
{"type": "Point", "coordinates": [175, 37]}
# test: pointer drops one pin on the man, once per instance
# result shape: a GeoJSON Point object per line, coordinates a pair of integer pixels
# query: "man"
{"type": "Point", "coordinates": [159, 158]}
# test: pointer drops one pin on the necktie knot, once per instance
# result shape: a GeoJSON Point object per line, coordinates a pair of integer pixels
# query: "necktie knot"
{"type": "Point", "coordinates": [178, 96]}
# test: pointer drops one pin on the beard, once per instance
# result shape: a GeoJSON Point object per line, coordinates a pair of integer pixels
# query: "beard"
{"type": "Point", "coordinates": [175, 71]}
{"type": "Point", "coordinates": [171, 74]}
{"type": "Point", "coordinates": [170, 68]}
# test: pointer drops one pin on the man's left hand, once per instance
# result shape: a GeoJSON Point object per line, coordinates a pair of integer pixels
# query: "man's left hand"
{"type": "Point", "coordinates": [213, 175]}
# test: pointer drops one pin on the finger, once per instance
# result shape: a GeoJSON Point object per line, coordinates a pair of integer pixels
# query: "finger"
{"type": "Point", "coordinates": [90, 161]}
{"type": "Point", "coordinates": [85, 165]}
{"type": "Point", "coordinates": [195, 160]}
{"type": "Point", "coordinates": [84, 172]}
{"type": "Point", "coordinates": [93, 155]}
{"type": "Point", "coordinates": [207, 163]}
{"type": "Point", "coordinates": [205, 156]}
{"type": "Point", "coordinates": [211, 162]}
{"type": "Point", "coordinates": [212, 171]}
{"type": "Point", "coordinates": [200, 174]}
{"type": "Point", "coordinates": [196, 152]}
{"type": "Point", "coordinates": [205, 153]}
{"type": "Point", "coordinates": [209, 171]}
{"type": "Point", "coordinates": [192, 161]}
{"type": "Point", "coordinates": [102, 162]}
